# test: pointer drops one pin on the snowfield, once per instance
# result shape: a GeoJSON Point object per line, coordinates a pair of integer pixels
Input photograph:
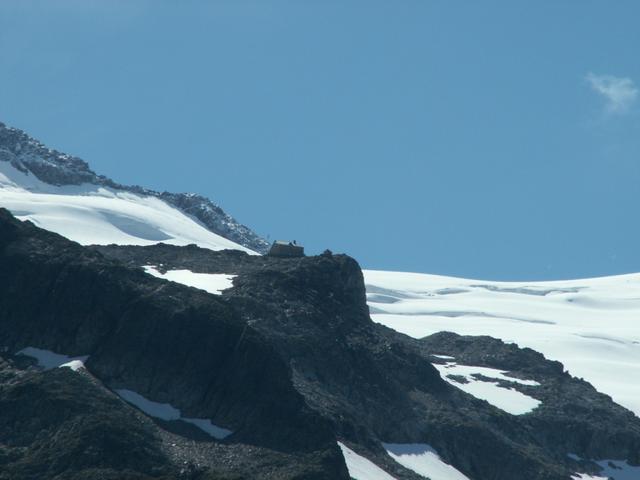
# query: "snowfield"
{"type": "Point", "coordinates": [592, 326]}
{"type": "Point", "coordinates": [89, 214]}
{"type": "Point", "coordinates": [49, 360]}
{"type": "Point", "coordinates": [424, 460]}
{"type": "Point", "coordinates": [418, 457]}
{"type": "Point", "coordinates": [360, 468]}
{"type": "Point", "coordinates": [167, 412]}
{"type": "Point", "coordinates": [508, 399]}
{"type": "Point", "coordinates": [211, 282]}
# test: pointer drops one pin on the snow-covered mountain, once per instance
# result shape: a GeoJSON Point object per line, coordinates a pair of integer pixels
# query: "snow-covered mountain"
{"type": "Point", "coordinates": [61, 193]}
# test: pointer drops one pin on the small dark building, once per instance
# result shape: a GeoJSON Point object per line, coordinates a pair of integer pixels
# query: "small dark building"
{"type": "Point", "coordinates": [282, 248]}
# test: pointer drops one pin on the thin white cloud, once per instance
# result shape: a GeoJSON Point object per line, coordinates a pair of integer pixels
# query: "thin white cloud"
{"type": "Point", "coordinates": [619, 92]}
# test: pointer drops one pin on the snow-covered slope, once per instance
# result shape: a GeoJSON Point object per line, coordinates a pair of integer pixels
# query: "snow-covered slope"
{"type": "Point", "coordinates": [592, 326]}
{"type": "Point", "coordinates": [91, 214]}
{"type": "Point", "coordinates": [79, 196]}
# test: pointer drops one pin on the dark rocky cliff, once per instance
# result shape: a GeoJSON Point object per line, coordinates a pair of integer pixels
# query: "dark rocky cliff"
{"type": "Point", "coordinates": [288, 359]}
{"type": "Point", "coordinates": [376, 385]}
{"type": "Point", "coordinates": [165, 341]}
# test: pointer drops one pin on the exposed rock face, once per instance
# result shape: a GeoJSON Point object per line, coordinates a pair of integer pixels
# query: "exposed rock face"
{"type": "Point", "coordinates": [375, 385]}
{"type": "Point", "coordinates": [57, 168]}
{"type": "Point", "coordinates": [61, 424]}
{"type": "Point", "coordinates": [64, 425]}
{"type": "Point", "coordinates": [288, 359]}
{"type": "Point", "coordinates": [165, 341]}
{"type": "Point", "coordinates": [573, 416]}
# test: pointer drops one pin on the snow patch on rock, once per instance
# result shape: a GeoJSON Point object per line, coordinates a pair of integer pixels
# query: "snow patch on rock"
{"type": "Point", "coordinates": [424, 460]}
{"type": "Point", "coordinates": [609, 470]}
{"type": "Point", "coordinates": [211, 282]}
{"type": "Point", "coordinates": [49, 360]}
{"type": "Point", "coordinates": [167, 412]}
{"type": "Point", "coordinates": [361, 468]}
{"type": "Point", "coordinates": [586, 476]}
{"type": "Point", "coordinates": [508, 399]}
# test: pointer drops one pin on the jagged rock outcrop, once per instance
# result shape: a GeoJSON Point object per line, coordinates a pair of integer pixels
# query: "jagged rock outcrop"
{"type": "Point", "coordinates": [56, 168]}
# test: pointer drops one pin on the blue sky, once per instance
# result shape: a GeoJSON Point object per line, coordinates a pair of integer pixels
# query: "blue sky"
{"type": "Point", "coordinates": [494, 139]}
